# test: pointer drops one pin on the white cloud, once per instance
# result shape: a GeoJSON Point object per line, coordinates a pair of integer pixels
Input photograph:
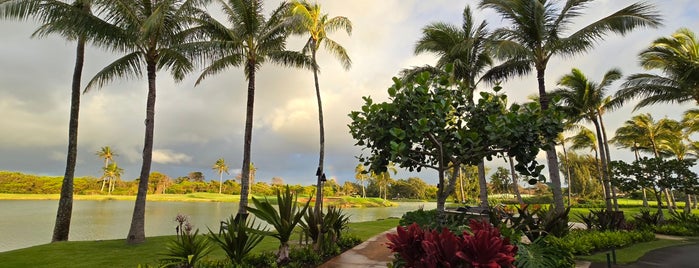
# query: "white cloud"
{"type": "Point", "coordinates": [170, 157]}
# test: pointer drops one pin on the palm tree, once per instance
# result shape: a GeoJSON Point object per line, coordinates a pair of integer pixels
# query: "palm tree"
{"type": "Point", "coordinates": [676, 57]}
{"type": "Point", "coordinates": [464, 48]}
{"type": "Point", "coordinates": [107, 154]}
{"type": "Point", "coordinates": [250, 41]}
{"type": "Point", "coordinates": [112, 172]}
{"type": "Point", "coordinates": [318, 25]}
{"type": "Point", "coordinates": [630, 136]}
{"type": "Point", "coordinates": [361, 176]}
{"type": "Point", "coordinates": [66, 20]}
{"type": "Point", "coordinates": [220, 167]}
{"type": "Point", "coordinates": [583, 99]}
{"type": "Point", "coordinates": [150, 33]}
{"type": "Point", "coordinates": [536, 33]}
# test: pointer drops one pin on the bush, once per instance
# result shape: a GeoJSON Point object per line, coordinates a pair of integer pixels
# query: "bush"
{"type": "Point", "coordinates": [675, 229]}
{"type": "Point", "coordinates": [188, 248]}
{"type": "Point", "coordinates": [544, 252]}
{"type": "Point", "coordinates": [584, 242]}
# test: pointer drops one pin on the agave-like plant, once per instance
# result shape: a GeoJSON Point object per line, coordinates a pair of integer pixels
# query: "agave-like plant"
{"type": "Point", "coordinates": [188, 248]}
{"type": "Point", "coordinates": [237, 239]}
{"type": "Point", "coordinates": [283, 220]}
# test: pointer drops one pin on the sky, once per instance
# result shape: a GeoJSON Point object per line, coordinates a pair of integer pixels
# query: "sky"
{"type": "Point", "coordinates": [196, 125]}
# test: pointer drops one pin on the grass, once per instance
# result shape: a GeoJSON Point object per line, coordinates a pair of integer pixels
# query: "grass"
{"type": "Point", "coordinates": [116, 253]}
{"type": "Point", "coordinates": [634, 252]}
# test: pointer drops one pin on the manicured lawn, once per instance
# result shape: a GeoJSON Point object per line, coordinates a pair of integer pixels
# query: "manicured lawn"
{"type": "Point", "coordinates": [116, 253]}
{"type": "Point", "coordinates": [632, 253]}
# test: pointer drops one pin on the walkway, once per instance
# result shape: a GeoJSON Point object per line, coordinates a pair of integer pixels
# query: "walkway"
{"type": "Point", "coordinates": [374, 253]}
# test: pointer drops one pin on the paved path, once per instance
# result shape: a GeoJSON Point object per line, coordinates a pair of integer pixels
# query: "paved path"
{"type": "Point", "coordinates": [374, 253]}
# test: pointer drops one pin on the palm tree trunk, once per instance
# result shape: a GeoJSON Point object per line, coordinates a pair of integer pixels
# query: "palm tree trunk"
{"type": "Point", "coordinates": [247, 142]}
{"type": "Point", "coordinates": [137, 232]}
{"type": "Point", "coordinates": [603, 161]}
{"type": "Point", "coordinates": [461, 186]}
{"type": "Point", "coordinates": [483, 185]}
{"type": "Point", "coordinates": [687, 203]}
{"type": "Point", "coordinates": [551, 157]}
{"type": "Point", "coordinates": [515, 181]}
{"type": "Point", "coordinates": [65, 203]}
{"type": "Point", "coordinates": [220, 182]}
{"type": "Point", "coordinates": [565, 160]}
{"type": "Point", "coordinates": [609, 160]}
{"type": "Point", "coordinates": [321, 155]}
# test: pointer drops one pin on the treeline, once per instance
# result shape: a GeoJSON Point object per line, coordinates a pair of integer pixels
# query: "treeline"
{"type": "Point", "coordinates": [20, 183]}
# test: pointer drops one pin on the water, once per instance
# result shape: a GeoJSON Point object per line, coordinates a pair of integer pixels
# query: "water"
{"type": "Point", "coordinates": [26, 223]}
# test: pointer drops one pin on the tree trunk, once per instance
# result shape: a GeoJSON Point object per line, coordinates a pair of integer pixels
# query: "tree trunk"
{"type": "Point", "coordinates": [565, 160]}
{"type": "Point", "coordinates": [645, 198]}
{"type": "Point", "coordinates": [483, 195]}
{"type": "Point", "coordinates": [64, 213]}
{"type": "Point", "coordinates": [137, 232]}
{"type": "Point", "coordinates": [603, 161]}
{"type": "Point", "coordinates": [687, 203]}
{"type": "Point", "coordinates": [515, 181]}
{"type": "Point", "coordinates": [551, 157]}
{"type": "Point", "coordinates": [247, 142]}
{"type": "Point", "coordinates": [672, 198]}
{"type": "Point", "coordinates": [321, 155]}
{"type": "Point", "coordinates": [669, 199]}
{"type": "Point", "coordinates": [461, 186]}
{"type": "Point", "coordinates": [660, 204]}
{"type": "Point", "coordinates": [609, 160]}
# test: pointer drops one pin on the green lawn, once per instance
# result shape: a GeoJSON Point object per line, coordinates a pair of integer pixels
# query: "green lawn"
{"type": "Point", "coordinates": [632, 253]}
{"type": "Point", "coordinates": [116, 253]}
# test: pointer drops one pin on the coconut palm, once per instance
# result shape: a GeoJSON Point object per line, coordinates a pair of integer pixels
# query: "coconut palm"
{"type": "Point", "coordinates": [112, 172]}
{"type": "Point", "coordinates": [66, 20]}
{"type": "Point", "coordinates": [629, 136]}
{"type": "Point", "coordinates": [312, 21]}
{"type": "Point", "coordinates": [537, 32]}
{"type": "Point", "coordinates": [149, 32]}
{"type": "Point", "coordinates": [361, 175]}
{"type": "Point", "coordinates": [107, 154]}
{"type": "Point", "coordinates": [676, 57]}
{"type": "Point", "coordinates": [220, 167]}
{"type": "Point", "coordinates": [251, 40]}
{"type": "Point", "coordinates": [585, 100]}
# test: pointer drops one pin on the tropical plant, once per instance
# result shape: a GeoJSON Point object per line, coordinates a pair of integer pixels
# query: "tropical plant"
{"type": "Point", "coordinates": [188, 248]}
{"type": "Point", "coordinates": [107, 154]}
{"type": "Point", "coordinates": [466, 49]}
{"type": "Point", "coordinates": [251, 40]}
{"type": "Point", "coordinates": [360, 174]}
{"type": "Point", "coordinates": [220, 167]}
{"type": "Point", "coordinates": [585, 100]}
{"type": "Point", "coordinates": [675, 57]}
{"type": "Point", "coordinates": [238, 238]}
{"type": "Point", "coordinates": [69, 21]}
{"type": "Point", "coordinates": [539, 30]}
{"type": "Point", "coordinates": [113, 173]}
{"type": "Point", "coordinates": [544, 252]}
{"type": "Point", "coordinates": [283, 220]}
{"type": "Point", "coordinates": [150, 33]}
{"type": "Point", "coordinates": [311, 21]}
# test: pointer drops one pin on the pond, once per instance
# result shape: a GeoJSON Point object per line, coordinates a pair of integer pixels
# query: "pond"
{"type": "Point", "coordinates": [28, 223]}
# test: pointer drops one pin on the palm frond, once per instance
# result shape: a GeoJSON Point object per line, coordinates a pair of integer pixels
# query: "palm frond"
{"type": "Point", "coordinates": [128, 66]}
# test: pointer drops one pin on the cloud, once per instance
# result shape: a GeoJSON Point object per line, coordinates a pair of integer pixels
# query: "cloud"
{"type": "Point", "coordinates": [170, 157]}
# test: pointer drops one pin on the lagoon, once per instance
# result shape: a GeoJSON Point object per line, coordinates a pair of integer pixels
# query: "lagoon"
{"type": "Point", "coordinates": [26, 223]}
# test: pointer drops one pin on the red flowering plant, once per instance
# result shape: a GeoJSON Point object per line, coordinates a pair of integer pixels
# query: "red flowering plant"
{"type": "Point", "coordinates": [484, 246]}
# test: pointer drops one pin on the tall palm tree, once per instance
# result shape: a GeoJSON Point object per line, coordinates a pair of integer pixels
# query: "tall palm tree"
{"type": "Point", "coordinates": [583, 99]}
{"type": "Point", "coordinates": [220, 167]}
{"type": "Point", "coordinates": [150, 33]}
{"type": "Point", "coordinates": [630, 136]}
{"type": "Point", "coordinates": [361, 176]}
{"type": "Point", "coordinates": [107, 154]}
{"type": "Point", "coordinates": [676, 57]}
{"type": "Point", "coordinates": [312, 21]}
{"type": "Point", "coordinates": [251, 40]}
{"type": "Point", "coordinates": [537, 32]}
{"type": "Point", "coordinates": [66, 20]}
{"type": "Point", "coordinates": [465, 48]}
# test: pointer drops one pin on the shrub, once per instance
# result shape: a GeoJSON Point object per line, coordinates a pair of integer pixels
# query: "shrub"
{"type": "Point", "coordinates": [603, 220]}
{"type": "Point", "coordinates": [583, 242]}
{"type": "Point", "coordinates": [539, 222]}
{"type": "Point", "coordinates": [484, 246]}
{"type": "Point", "coordinates": [188, 248]}
{"type": "Point", "coordinates": [646, 219]}
{"type": "Point", "coordinates": [674, 229]}
{"type": "Point", "coordinates": [237, 239]}
{"type": "Point", "coordinates": [544, 252]}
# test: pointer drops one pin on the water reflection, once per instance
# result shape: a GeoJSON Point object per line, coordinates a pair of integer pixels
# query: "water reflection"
{"type": "Point", "coordinates": [28, 223]}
